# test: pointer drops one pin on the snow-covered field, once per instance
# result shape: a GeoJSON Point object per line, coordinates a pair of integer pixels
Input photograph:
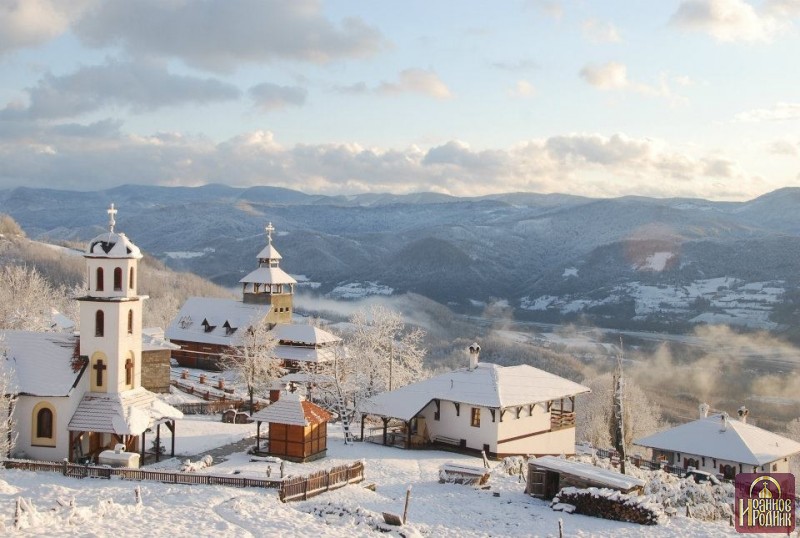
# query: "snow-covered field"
{"type": "Point", "coordinates": [107, 508]}
{"type": "Point", "coordinates": [729, 300]}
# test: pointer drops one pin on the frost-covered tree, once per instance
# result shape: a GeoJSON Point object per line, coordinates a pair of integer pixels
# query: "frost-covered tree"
{"type": "Point", "coordinates": [593, 414]}
{"type": "Point", "coordinates": [27, 299]}
{"type": "Point", "coordinates": [7, 399]}
{"type": "Point", "coordinates": [252, 361]}
{"type": "Point", "coordinates": [388, 354]}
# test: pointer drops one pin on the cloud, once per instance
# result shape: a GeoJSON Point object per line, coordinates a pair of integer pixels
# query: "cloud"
{"type": "Point", "coordinates": [140, 87]}
{"type": "Point", "coordinates": [784, 147]}
{"type": "Point", "coordinates": [551, 8]}
{"type": "Point", "coordinates": [600, 32]}
{"type": "Point", "coordinates": [269, 96]}
{"type": "Point", "coordinates": [28, 23]}
{"type": "Point", "coordinates": [522, 89]}
{"type": "Point", "coordinates": [614, 76]}
{"type": "Point", "coordinates": [731, 20]}
{"type": "Point", "coordinates": [220, 35]}
{"type": "Point", "coordinates": [609, 76]}
{"type": "Point", "coordinates": [417, 81]}
{"type": "Point", "coordinates": [71, 156]}
{"type": "Point", "coordinates": [779, 112]}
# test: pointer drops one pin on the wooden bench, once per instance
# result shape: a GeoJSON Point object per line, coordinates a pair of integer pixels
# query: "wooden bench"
{"type": "Point", "coordinates": [446, 440]}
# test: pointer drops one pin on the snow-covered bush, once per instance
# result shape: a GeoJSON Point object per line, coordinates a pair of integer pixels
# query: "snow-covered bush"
{"type": "Point", "coordinates": [705, 501]}
{"type": "Point", "coordinates": [189, 466]}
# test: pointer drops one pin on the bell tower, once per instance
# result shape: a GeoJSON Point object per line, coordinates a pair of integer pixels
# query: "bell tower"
{"type": "Point", "coordinates": [269, 284]}
{"type": "Point", "coordinates": [111, 312]}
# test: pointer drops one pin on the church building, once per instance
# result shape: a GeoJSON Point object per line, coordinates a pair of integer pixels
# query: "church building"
{"type": "Point", "coordinates": [78, 397]}
{"type": "Point", "coordinates": [206, 328]}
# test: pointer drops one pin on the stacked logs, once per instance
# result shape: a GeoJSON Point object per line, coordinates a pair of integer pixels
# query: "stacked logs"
{"type": "Point", "coordinates": [609, 504]}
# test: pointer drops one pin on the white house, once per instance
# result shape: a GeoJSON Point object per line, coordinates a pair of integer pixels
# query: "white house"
{"type": "Point", "coordinates": [718, 444]}
{"type": "Point", "coordinates": [502, 410]}
{"type": "Point", "coordinates": [77, 397]}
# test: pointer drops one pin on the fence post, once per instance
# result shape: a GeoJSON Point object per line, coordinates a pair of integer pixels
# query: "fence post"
{"type": "Point", "coordinates": [66, 462]}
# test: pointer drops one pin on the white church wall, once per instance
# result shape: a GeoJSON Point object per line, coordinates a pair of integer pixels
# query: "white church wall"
{"type": "Point", "coordinates": [24, 424]}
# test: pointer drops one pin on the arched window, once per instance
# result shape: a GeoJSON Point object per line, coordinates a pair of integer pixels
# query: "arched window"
{"type": "Point", "coordinates": [44, 423]}
{"type": "Point", "coordinates": [99, 323]}
{"type": "Point", "coordinates": [118, 279]}
{"type": "Point", "coordinates": [130, 321]}
{"type": "Point", "coordinates": [130, 279]}
{"type": "Point", "coordinates": [99, 279]}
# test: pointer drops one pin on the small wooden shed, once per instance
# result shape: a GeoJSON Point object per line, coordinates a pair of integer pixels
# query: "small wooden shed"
{"type": "Point", "coordinates": [298, 429]}
{"type": "Point", "coordinates": [548, 474]}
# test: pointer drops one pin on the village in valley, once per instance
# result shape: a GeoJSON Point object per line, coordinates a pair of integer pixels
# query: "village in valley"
{"type": "Point", "coordinates": [242, 417]}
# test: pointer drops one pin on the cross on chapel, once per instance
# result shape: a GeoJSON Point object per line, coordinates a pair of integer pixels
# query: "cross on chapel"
{"type": "Point", "coordinates": [128, 372]}
{"type": "Point", "coordinates": [270, 228]}
{"type": "Point", "coordinates": [111, 222]}
{"type": "Point", "coordinates": [99, 367]}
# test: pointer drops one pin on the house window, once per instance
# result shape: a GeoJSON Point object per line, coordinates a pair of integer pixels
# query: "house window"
{"type": "Point", "coordinates": [44, 423]}
{"type": "Point", "coordinates": [99, 279]}
{"type": "Point", "coordinates": [774, 467]}
{"type": "Point", "coordinates": [130, 279]}
{"type": "Point", "coordinates": [118, 279]}
{"type": "Point", "coordinates": [99, 323]}
{"type": "Point", "coordinates": [475, 418]}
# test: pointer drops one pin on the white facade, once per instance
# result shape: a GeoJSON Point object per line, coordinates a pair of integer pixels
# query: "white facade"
{"type": "Point", "coordinates": [502, 410]}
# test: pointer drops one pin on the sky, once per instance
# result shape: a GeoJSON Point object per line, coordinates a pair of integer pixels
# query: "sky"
{"type": "Point", "coordinates": [683, 98]}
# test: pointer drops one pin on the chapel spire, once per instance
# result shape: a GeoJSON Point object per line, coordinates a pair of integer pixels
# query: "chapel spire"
{"type": "Point", "coordinates": [269, 284]}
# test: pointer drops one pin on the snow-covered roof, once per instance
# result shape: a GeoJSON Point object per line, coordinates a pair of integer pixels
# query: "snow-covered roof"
{"type": "Point", "coordinates": [126, 413]}
{"type": "Point", "coordinates": [304, 334]}
{"type": "Point", "coordinates": [189, 324]}
{"type": "Point", "coordinates": [488, 385]}
{"type": "Point", "coordinates": [41, 362]}
{"type": "Point", "coordinates": [268, 275]}
{"type": "Point", "coordinates": [304, 354]}
{"type": "Point", "coordinates": [738, 442]}
{"type": "Point", "coordinates": [269, 253]}
{"type": "Point", "coordinates": [292, 410]}
{"type": "Point", "coordinates": [596, 475]}
{"type": "Point", "coordinates": [112, 245]}
{"type": "Point", "coordinates": [153, 339]}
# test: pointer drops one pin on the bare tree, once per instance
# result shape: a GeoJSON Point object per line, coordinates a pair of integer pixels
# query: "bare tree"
{"type": "Point", "coordinates": [26, 299]}
{"type": "Point", "coordinates": [7, 399]}
{"type": "Point", "coordinates": [252, 359]}
{"type": "Point", "coordinates": [594, 410]}
{"type": "Point", "coordinates": [389, 355]}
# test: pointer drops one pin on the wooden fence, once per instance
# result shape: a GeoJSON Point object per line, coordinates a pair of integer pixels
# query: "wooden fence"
{"type": "Point", "coordinates": [168, 477]}
{"type": "Point", "coordinates": [642, 463]}
{"type": "Point", "coordinates": [208, 408]}
{"type": "Point", "coordinates": [302, 487]}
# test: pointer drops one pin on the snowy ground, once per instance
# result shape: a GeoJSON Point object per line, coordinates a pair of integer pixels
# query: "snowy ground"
{"type": "Point", "coordinates": [106, 508]}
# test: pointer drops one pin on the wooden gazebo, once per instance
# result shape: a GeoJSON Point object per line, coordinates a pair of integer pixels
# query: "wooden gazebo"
{"type": "Point", "coordinates": [298, 429]}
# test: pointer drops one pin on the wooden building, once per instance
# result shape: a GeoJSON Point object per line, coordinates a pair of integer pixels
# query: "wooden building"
{"type": "Point", "coordinates": [548, 474]}
{"type": "Point", "coordinates": [206, 328]}
{"type": "Point", "coordinates": [298, 429]}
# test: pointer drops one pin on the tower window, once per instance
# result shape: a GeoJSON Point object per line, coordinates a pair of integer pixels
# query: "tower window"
{"type": "Point", "coordinates": [130, 279]}
{"type": "Point", "coordinates": [99, 279]}
{"type": "Point", "coordinates": [99, 323]}
{"type": "Point", "coordinates": [118, 279]}
{"type": "Point", "coordinates": [130, 321]}
{"type": "Point", "coordinates": [44, 423]}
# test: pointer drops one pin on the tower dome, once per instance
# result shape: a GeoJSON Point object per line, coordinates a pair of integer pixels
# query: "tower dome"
{"type": "Point", "coordinates": [112, 244]}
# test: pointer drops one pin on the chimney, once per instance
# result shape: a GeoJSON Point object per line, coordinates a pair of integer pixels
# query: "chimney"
{"type": "Point", "coordinates": [704, 407]}
{"type": "Point", "coordinates": [474, 351]}
{"type": "Point", "coordinates": [724, 419]}
{"type": "Point", "coordinates": [743, 412]}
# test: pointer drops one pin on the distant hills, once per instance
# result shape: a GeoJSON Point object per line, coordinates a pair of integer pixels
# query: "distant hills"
{"type": "Point", "coordinates": [631, 262]}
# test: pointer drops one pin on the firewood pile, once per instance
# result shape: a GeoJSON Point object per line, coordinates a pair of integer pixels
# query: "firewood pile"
{"type": "Point", "coordinates": [609, 504]}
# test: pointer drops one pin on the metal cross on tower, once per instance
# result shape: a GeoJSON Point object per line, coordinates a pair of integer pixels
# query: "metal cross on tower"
{"type": "Point", "coordinates": [111, 222]}
{"type": "Point", "coordinates": [270, 228]}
